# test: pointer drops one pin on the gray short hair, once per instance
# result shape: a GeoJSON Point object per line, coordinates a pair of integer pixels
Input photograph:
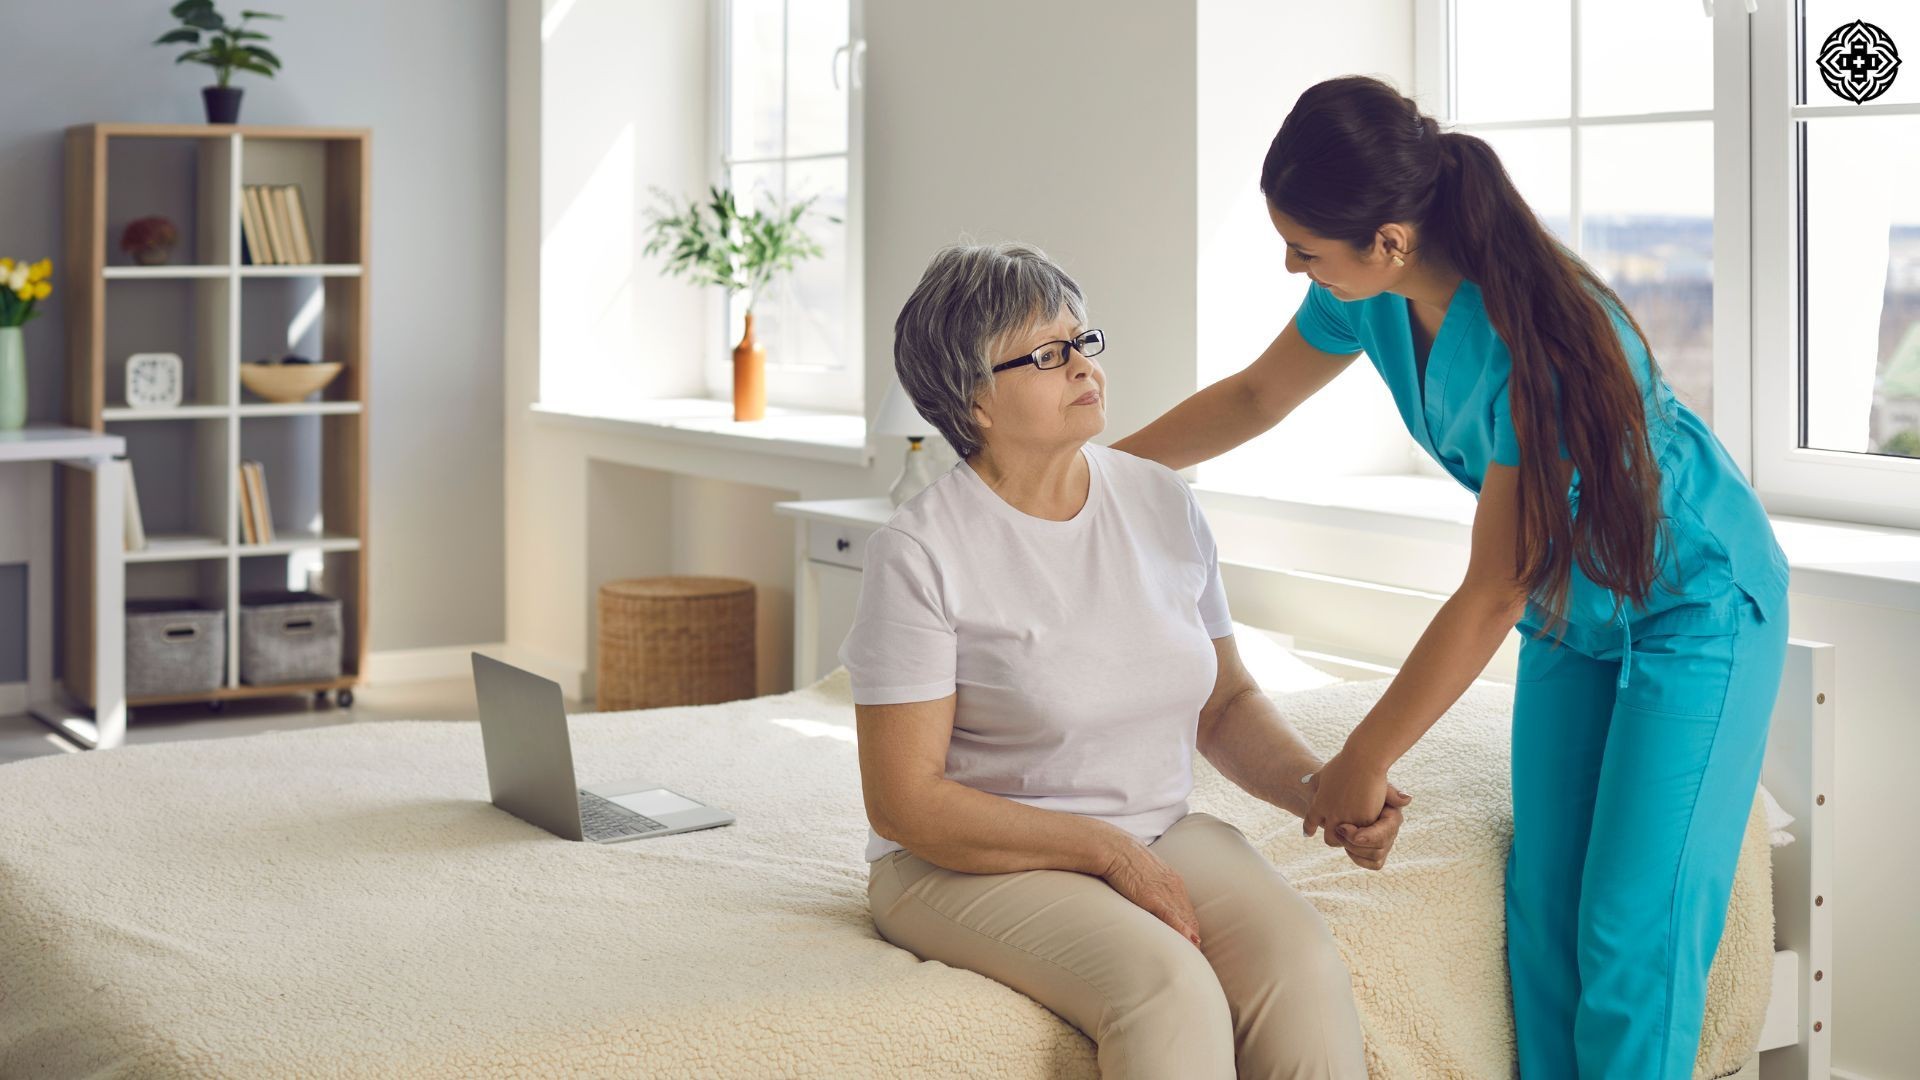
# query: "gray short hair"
{"type": "Point", "coordinates": [970, 297]}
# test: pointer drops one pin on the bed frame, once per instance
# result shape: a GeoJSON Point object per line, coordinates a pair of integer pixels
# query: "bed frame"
{"type": "Point", "coordinates": [1357, 629]}
{"type": "Point", "coordinates": [1797, 1040]}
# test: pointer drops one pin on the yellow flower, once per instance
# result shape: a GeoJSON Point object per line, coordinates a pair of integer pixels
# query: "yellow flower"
{"type": "Point", "coordinates": [25, 291]}
{"type": "Point", "coordinates": [42, 270]}
{"type": "Point", "coordinates": [6, 266]}
{"type": "Point", "coordinates": [42, 290]}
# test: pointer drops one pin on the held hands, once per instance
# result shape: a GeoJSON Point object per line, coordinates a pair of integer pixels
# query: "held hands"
{"type": "Point", "coordinates": [1355, 807]}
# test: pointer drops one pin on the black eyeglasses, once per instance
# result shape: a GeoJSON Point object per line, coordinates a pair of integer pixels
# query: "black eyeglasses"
{"type": "Point", "coordinates": [1054, 353]}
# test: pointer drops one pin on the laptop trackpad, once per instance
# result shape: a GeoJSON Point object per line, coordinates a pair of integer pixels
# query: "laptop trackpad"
{"type": "Point", "coordinates": [653, 803]}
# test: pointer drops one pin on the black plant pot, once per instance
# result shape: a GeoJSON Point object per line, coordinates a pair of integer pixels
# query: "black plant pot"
{"type": "Point", "coordinates": [223, 104]}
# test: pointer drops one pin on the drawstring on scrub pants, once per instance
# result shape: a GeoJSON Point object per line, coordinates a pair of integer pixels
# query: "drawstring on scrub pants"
{"type": "Point", "coordinates": [1626, 646]}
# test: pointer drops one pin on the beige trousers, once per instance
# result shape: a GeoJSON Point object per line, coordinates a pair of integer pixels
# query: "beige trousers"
{"type": "Point", "coordinates": [1265, 995]}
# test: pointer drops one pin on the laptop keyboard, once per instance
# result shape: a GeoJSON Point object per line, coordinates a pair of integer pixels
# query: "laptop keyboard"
{"type": "Point", "coordinates": [601, 819]}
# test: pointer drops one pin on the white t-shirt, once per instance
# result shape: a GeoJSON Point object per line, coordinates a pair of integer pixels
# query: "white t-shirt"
{"type": "Point", "coordinates": [1081, 651]}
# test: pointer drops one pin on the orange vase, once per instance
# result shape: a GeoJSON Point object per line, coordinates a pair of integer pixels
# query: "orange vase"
{"type": "Point", "coordinates": [749, 377]}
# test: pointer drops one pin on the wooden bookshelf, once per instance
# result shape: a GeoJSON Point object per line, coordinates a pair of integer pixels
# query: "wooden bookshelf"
{"type": "Point", "coordinates": [186, 459]}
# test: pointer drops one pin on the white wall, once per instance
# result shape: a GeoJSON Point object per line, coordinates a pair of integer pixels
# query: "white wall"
{"type": "Point", "coordinates": [623, 110]}
{"type": "Point", "coordinates": [1256, 58]}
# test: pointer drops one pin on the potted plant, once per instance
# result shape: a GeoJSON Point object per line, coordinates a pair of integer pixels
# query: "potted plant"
{"type": "Point", "coordinates": [226, 49]}
{"type": "Point", "coordinates": [716, 244]}
{"type": "Point", "coordinates": [22, 286]}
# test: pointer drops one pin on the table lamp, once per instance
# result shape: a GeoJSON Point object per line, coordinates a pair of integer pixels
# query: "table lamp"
{"type": "Point", "coordinates": [899, 417]}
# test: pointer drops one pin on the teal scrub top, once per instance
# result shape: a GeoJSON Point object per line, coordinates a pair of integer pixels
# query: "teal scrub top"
{"type": "Point", "coordinates": [1717, 551]}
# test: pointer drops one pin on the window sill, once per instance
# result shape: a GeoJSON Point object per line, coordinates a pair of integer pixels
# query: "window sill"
{"type": "Point", "coordinates": [1862, 564]}
{"type": "Point", "coordinates": [837, 438]}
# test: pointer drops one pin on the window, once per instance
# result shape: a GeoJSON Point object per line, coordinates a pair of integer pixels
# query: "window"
{"type": "Point", "coordinates": [1762, 229]}
{"type": "Point", "coordinates": [788, 128]}
{"type": "Point", "coordinates": [1837, 225]}
{"type": "Point", "coordinates": [1618, 164]}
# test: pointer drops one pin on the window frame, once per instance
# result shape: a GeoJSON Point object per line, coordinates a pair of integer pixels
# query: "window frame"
{"type": "Point", "coordinates": [1873, 488]}
{"type": "Point", "coordinates": [842, 390]}
{"type": "Point", "coordinates": [1756, 318]}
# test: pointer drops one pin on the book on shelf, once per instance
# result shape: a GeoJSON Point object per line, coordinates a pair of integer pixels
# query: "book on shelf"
{"type": "Point", "coordinates": [246, 506]}
{"type": "Point", "coordinates": [282, 249]}
{"type": "Point", "coordinates": [136, 529]}
{"type": "Point", "coordinates": [264, 504]}
{"type": "Point", "coordinates": [250, 253]}
{"type": "Point", "coordinates": [303, 236]}
{"type": "Point", "coordinates": [256, 515]}
{"type": "Point", "coordinates": [273, 222]}
{"type": "Point", "coordinates": [283, 196]}
{"type": "Point", "coordinates": [253, 228]}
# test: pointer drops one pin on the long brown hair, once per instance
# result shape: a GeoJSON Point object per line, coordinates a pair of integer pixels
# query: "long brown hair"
{"type": "Point", "coordinates": [1355, 154]}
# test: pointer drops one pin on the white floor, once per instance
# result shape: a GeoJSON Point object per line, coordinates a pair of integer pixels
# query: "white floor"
{"type": "Point", "coordinates": [446, 699]}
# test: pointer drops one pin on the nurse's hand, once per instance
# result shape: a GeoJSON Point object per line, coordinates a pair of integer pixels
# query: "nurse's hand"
{"type": "Point", "coordinates": [1368, 846]}
{"type": "Point", "coordinates": [1345, 790]}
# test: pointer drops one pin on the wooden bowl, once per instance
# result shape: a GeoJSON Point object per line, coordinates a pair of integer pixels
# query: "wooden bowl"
{"type": "Point", "coordinates": [286, 383]}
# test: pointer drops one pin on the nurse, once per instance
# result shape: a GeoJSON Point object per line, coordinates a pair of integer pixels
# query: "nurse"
{"type": "Point", "coordinates": [1612, 529]}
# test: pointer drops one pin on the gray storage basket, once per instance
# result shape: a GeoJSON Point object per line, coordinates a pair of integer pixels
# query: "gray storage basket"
{"type": "Point", "coordinates": [174, 647]}
{"type": "Point", "coordinates": [289, 637]}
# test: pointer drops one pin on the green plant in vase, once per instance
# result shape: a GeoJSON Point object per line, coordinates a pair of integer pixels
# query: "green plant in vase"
{"type": "Point", "coordinates": [713, 243]}
{"type": "Point", "coordinates": [22, 286]}
{"type": "Point", "coordinates": [226, 49]}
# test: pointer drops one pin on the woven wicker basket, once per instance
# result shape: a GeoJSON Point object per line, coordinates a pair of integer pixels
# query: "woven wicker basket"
{"type": "Point", "coordinates": [675, 641]}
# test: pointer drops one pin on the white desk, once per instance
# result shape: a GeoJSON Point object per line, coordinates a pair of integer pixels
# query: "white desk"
{"type": "Point", "coordinates": [829, 551]}
{"type": "Point", "coordinates": [39, 448]}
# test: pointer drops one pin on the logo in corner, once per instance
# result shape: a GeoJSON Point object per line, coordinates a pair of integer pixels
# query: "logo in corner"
{"type": "Point", "coordinates": [1858, 61]}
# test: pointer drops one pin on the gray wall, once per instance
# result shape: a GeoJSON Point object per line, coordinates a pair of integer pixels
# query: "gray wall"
{"type": "Point", "coordinates": [428, 77]}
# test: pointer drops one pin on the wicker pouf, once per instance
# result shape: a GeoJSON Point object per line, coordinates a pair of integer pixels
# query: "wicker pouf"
{"type": "Point", "coordinates": [675, 641]}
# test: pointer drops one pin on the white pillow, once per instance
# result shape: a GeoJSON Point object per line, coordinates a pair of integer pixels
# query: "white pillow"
{"type": "Point", "coordinates": [1272, 663]}
{"type": "Point", "coordinates": [1777, 819]}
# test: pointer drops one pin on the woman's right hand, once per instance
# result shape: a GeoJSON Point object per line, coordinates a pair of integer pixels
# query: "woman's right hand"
{"type": "Point", "coordinates": [1144, 878]}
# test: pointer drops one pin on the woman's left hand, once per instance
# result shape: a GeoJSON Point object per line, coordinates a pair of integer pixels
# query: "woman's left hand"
{"type": "Point", "coordinates": [1345, 790]}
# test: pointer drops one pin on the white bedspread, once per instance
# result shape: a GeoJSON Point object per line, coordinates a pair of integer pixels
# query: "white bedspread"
{"type": "Point", "coordinates": [344, 901]}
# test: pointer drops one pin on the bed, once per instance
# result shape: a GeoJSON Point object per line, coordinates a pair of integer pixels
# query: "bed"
{"type": "Point", "coordinates": [345, 901]}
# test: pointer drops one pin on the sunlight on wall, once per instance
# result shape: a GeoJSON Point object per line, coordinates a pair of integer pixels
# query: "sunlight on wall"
{"type": "Point", "coordinates": [303, 320]}
{"type": "Point", "coordinates": [555, 14]}
{"type": "Point", "coordinates": [587, 343]}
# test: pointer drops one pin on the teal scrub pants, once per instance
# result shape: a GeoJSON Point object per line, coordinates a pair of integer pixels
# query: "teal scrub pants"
{"type": "Point", "coordinates": [1629, 806]}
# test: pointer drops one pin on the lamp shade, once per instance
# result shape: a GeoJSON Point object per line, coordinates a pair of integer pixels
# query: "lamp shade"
{"type": "Point", "coordinates": [899, 417]}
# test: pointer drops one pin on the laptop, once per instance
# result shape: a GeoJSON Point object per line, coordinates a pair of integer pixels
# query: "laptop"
{"type": "Point", "coordinates": [523, 725]}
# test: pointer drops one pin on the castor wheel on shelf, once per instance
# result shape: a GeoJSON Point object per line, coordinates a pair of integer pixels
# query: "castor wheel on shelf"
{"type": "Point", "coordinates": [216, 706]}
{"type": "Point", "coordinates": [343, 698]}
{"type": "Point", "coordinates": [319, 698]}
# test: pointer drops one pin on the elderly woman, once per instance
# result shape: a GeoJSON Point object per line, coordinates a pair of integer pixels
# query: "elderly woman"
{"type": "Point", "coordinates": [1042, 640]}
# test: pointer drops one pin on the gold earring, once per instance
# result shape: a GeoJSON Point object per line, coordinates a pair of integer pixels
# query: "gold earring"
{"type": "Point", "coordinates": [1398, 261]}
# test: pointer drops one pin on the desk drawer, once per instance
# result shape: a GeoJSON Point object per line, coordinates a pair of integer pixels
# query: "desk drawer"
{"type": "Point", "coordinates": [837, 543]}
